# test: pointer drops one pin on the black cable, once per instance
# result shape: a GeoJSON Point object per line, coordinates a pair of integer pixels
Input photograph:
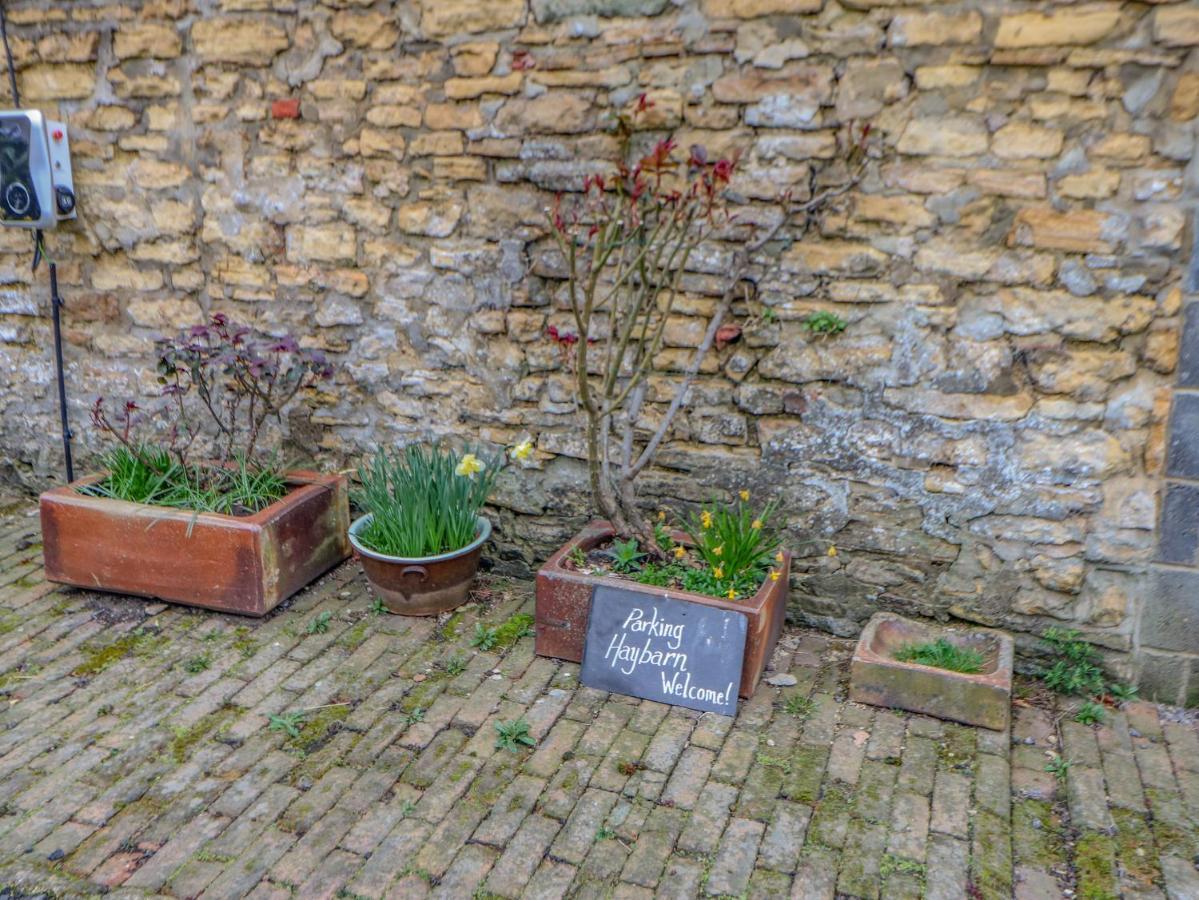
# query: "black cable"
{"type": "Point", "coordinates": [12, 72]}
{"type": "Point", "coordinates": [56, 303]}
{"type": "Point", "coordinates": [56, 306]}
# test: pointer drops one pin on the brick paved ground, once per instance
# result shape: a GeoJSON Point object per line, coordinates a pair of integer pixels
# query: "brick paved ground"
{"type": "Point", "coordinates": [135, 753]}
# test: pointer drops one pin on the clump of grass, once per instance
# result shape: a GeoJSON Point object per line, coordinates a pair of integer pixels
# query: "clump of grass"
{"type": "Point", "coordinates": [1090, 713]}
{"type": "Point", "coordinates": [1058, 767]}
{"type": "Point", "coordinates": [1123, 693]}
{"type": "Point", "coordinates": [1075, 669]}
{"type": "Point", "coordinates": [147, 474]}
{"type": "Point", "coordinates": [942, 655]}
{"type": "Point", "coordinates": [798, 705]}
{"type": "Point", "coordinates": [198, 664]}
{"type": "Point", "coordinates": [824, 323]}
{"type": "Point", "coordinates": [319, 624]}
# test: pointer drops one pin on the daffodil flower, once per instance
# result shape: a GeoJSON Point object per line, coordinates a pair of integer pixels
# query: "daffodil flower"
{"type": "Point", "coordinates": [778, 557]}
{"type": "Point", "coordinates": [732, 594]}
{"type": "Point", "coordinates": [469, 466]}
{"type": "Point", "coordinates": [680, 552]}
{"type": "Point", "coordinates": [745, 496]}
{"type": "Point", "coordinates": [756, 525]}
{"type": "Point", "coordinates": [774, 575]}
{"type": "Point", "coordinates": [718, 551]}
{"type": "Point", "coordinates": [522, 451]}
{"type": "Point", "coordinates": [832, 551]}
{"type": "Point", "coordinates": [705, 519]}
{"type": "Point", "coordinates": [661, 515]}
{"type": "Point", "coordinates": [718, 571]}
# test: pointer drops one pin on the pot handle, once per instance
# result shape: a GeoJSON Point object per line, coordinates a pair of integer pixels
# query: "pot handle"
{"type": "Point", "coordinates": [414, 570]}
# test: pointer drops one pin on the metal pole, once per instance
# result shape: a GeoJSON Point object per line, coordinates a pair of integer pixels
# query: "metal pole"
{"type": "Point", "coordinates": [56, 305]}
{"type": "Point", "coordinates": [55, 299]}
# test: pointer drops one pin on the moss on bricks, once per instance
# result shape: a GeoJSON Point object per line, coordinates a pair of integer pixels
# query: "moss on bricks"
{"type": "Point", "coordinates": [352, 637]}
{"type": "Point", "coordinates": [830, 813]}
{"type": "Point", "coordinates": [452, 627]}
{"type": "Point", "coordinates": [185, 739]}
{"type": "Point", "coordinates": [1095, 865]}
{"type": "Point", "coordinates": [956, 749]}
{"type": "Point", "coordinates": [419, 697]}
{"type": "Point", "coordinates": [243, 643]}
{"type": "Point", "coordinates": [1036, 834]}
{"type": "Point", "coordinates": [803, 779]}
{"type": "Point", "coordinates": [101, 657]}
{"type": "Point", "coordinates": [512, 630]}
{"type": "Point", "coordinates": [992, 864]}
{"type": "Point", "coordinates": [1134, 840]}
{"type": "Point", "coordinates": [319, 727]}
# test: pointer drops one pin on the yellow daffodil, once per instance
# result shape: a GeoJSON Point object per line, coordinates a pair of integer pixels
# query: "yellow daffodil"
{"type": "Point", "coordinates": [745, 495]}
{"type": "Point", "coordinates": [718, 571]}
{"type": "Point", "coordinates": [718, 551]}
{"type": "Point", "coordinates": [732, 594]}
{"type": "Point", "coordinates": [705, 519]}
{"type": "Point", "coordinates": [756, 525]}
{"type": "Point", "coordinates": [680, 552]}
{"type": "Point", "coordinates": [832, 551]}
{"type": "Point", "coordinates": [522, 451]}
{"type": "Point", "coordinates": [469, 466]}
{"type": "Point", "coordinates": [778, 557]}
{"type": "Point", "coordinates": [774, 575]}
{"type": "Point", "coordinates": [661, 515]}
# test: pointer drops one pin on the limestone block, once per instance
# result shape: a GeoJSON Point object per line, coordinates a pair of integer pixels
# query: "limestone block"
{"type": "Point", "coordinates": [919, 29]}
{"type": "Point", "coordinates": [1176, 26]}
{"type": "Point", "coordinates": [45, 82]}
{"type": "Point", "coordinates": [248, 41]}
{"type": "Point", "coordinates": [447, 18]}
{"type": "Point", "coordinates": [1068, 26]}
{"type": "Point", "coordinates": [147, 39]}
{"type": "Point", "coordinates": [944, 136]}
{"type": "Point", "coordinates": [1020, 140]}
{"type": "Point", "coordinates": [1079, 231]}
{"type": "Point", "coordinates": [749, 9]}
{"type": "Point", "coordinates": [321, 243]}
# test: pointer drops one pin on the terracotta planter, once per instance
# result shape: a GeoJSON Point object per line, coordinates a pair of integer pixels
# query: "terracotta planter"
{"type": "Point", "coordinates": [564, 604]}
{"type": "Point", "coordinates": [878, 678]}
{"type": "Point", "coordinates": [239, 564]}
{"type": "Point", "coordinates": [424, 586]}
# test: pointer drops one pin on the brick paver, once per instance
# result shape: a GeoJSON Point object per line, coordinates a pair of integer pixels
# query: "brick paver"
{"type": "Point", "coordinates": [154, 749]}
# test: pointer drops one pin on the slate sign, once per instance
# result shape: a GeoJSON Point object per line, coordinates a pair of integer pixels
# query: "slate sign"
{"type": "Point", "coordinates": [658, 648]}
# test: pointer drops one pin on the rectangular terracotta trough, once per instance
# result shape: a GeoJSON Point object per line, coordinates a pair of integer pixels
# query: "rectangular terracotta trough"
{"type": "Point", "coordinates": [878, 678]}
{"type": "Point", "coordinates": [239, 564]}
{"type": "Point", "coordinates": [564, 605]}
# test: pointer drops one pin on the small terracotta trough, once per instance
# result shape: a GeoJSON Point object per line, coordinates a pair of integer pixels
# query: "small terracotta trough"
{"type": "Point", "coordinates": [238, 564]}
{"type": "Point", "coordinates": [877, 678]}
{"type": "Point", "coordinates": [564, 606]}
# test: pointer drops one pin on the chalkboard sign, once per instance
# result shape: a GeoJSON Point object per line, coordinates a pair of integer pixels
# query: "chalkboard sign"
{"type": "Point", "coordinates": [658, 648]}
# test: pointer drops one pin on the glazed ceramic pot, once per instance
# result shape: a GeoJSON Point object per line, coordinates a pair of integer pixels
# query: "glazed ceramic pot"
{"type": "Point", "coordinates": [421, 586]}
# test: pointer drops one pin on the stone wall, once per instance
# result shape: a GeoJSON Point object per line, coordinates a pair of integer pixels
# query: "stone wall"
{"type": "Point", "coordinates": [987, 438]}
